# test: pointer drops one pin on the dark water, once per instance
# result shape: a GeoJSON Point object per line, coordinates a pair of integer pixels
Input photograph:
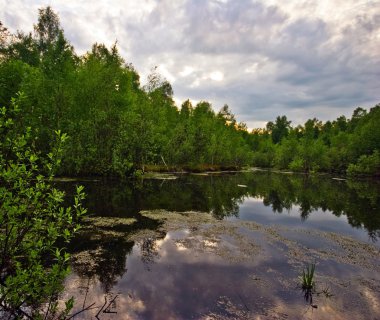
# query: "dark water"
{"type": "Point", "coordinates": [155, 278]}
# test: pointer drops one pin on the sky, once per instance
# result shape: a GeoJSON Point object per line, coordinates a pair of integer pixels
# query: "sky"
{"type": "Point", "coordinates": [302, 59]}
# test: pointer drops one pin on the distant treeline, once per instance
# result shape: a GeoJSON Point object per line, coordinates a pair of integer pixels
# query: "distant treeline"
{"type": "Point", "coordinates": [116, 126]}
{"type": "Point", "coordinates": [342, 146]}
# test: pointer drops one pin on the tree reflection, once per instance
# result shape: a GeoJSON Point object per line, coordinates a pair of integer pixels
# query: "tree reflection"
{"type": "Point", "coordinates": [149, 251]}
{"type": "Point", "coordinates": [102, 252]}
{"type": "Point", "coordinates": [358, 200]}
{"type": "Point", "coordinates": [102, 257]}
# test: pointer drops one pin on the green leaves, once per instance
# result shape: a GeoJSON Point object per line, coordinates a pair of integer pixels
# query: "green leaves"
{"type": "Point", "coordinates": [366, 165]}
{"type": "Point", "coordinates": [32, 222]}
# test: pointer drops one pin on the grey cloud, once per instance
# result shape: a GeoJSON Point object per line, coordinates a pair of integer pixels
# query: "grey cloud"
{"type": "Point", "coordinates": [274, 61]}
{"type": "Point", "coordinates": [236, 26]}
{"type": "Point", "coordinates": [328, 79]}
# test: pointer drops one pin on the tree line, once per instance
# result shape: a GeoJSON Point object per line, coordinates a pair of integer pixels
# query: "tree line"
{"type": "Point", "coordinates": [119, 127]}
{"type": "Point", "coordinates": [341, 146]}
{"type": "Point", "coordinates": [115, 125]}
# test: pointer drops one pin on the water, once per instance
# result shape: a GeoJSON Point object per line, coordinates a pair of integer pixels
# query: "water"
{"type": "Point", "coordinates": [239, 258]}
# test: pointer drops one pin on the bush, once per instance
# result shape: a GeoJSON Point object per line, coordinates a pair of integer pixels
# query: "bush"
{"type": "Point", "coordinates": [32, 222]}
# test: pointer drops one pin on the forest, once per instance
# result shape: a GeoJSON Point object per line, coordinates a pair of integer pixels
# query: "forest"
{"type": "Point", "coordinates": [118, 127]}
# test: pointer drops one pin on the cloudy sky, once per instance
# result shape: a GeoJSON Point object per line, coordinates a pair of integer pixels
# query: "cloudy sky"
{"type": "Point", "coordinates": [265, 58]}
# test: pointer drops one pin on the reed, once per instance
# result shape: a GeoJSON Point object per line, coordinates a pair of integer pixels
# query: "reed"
{"type": "Point", "coordinates": [307, 277]}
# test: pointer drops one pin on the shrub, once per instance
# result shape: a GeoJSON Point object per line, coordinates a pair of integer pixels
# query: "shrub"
{"type": "Point", "coordinates": [32, 222]}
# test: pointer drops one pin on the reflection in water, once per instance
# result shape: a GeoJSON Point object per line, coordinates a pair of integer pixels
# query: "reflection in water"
{"type": "Point", "coordinates": [149, 251]}
{"type": "Point", "coordinates": [100, 250]}
{"type": "Point", "coordinates": [221, 195]}
{"type": "Point", "coordinates": [155, 273]}
{"type": "Point", "coordinates": [229, 270]}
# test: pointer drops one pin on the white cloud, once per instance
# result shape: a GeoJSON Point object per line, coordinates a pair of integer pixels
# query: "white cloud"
{"type": "Point", "coordinates": [216, 76]}
{"type": "Point", "coordinates": [262, 58]}
{"type": "Point", "coordinates": [164, 71]}
{"type": "Point", "coordinates": [186, 71]}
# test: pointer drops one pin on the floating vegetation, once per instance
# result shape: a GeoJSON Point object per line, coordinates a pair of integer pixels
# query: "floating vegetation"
{"type": "Point", "coordinates": [71, 179]}
{"type": "Point", "coordinates": [176, 220]}
{"type": "Point", "coordinates": [159, 176]}
{"type": "Point", "coordinates": [106, 222]}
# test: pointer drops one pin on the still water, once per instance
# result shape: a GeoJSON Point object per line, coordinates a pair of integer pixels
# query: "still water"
{"type": "Point", "coordinates": [227, 246]}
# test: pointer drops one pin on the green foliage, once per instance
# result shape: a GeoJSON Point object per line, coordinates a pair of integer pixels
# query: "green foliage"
{"type": "Point", "coordinates": [366, 165]}
{"type": "Point", "coordinates": [279, 129]}
{"type": "Point", "coordinates": [32, 222]}
{"type": "Point", "coordinates": [265, 155]}
{"type": "Point", "coordinates": [12, 74]}
{"type": "Point", "coordinates": [296, 165]}
{"type": "Point", "coordinates": [344, 145]}
{"type": "Point", "coordinates": [285, 153]}
{"type": "Point", "coordinates": [47, 29]}
{"type": "Point", "coordinates": [365, 137]}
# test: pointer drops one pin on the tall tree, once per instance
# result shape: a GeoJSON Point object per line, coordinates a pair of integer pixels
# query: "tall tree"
{"type": "Point", "coordinates": [280, 128]}
{"type": "Point", "coordinates": [47, 29]}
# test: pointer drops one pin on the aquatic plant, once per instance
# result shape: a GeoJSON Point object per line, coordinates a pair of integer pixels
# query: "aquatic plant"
{"type": "Point", "coordinates": [308, 283]}
{"type": "Point", "coordinates": [307, 277]}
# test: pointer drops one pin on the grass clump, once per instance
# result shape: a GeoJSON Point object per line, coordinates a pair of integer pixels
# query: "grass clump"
{"type": "Point", "coordinates": [307, 278]}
